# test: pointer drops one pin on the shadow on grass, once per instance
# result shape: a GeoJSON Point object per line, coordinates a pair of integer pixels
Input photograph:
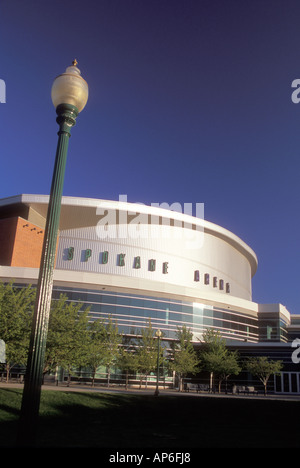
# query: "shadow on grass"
{"type": "Point", "coordinates": [86, 419]}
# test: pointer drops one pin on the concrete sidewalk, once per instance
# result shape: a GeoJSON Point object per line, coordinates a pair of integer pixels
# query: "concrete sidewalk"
{"type": "Point", "coordinates": [150, 391]}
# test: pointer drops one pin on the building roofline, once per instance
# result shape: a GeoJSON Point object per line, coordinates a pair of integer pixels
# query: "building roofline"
{"type": "Point", "coordinates": [71, 205]}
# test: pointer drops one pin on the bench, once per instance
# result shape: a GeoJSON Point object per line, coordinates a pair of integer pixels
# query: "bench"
{"type": "Point", "coordinates": [197, 387]}
{"type": "Point", "coordinates": [246, 390]}
{"type": "Point", "coordinates": [251, 390]}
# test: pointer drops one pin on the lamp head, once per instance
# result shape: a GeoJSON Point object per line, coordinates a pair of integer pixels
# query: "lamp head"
{"type": "Point", "coordinates": [70, 88]}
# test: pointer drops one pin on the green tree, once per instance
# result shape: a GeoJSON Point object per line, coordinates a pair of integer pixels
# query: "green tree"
{"type": "Point", "coordinates": [263, 368]}
{"type": "Point", "coordinates": [127, 358]}
{"type": "Point", "coordinates": [146, 353]}
{"type": "Point", "coordinates": [184, 359]}
{"type": "Point", "coordinates": [67, 333]}
{"type": "Point", "coordinates": [230, 366]}
{"type": "Point", "coordinates": [213, 341]}
{"type": "Point", "coordinates": [112, 342]}
{"type": "Point", "coordinates": [213, 355]}
{"type": "Point", "coordinates": [16, 311]}
{"type": "Point", "coordinates": [95, 349]}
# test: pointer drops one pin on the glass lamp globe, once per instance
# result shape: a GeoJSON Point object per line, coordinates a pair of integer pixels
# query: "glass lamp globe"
{"type": "Point", "coordinates": [70, 88]}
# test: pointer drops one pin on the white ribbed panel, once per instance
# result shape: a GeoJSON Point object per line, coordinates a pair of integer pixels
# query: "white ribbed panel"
{"type": "Point", "coordinates": [205, 252]}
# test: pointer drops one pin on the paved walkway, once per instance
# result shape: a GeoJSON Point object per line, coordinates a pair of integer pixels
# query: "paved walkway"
{"type": "Point", "coordinates": [150, 391]}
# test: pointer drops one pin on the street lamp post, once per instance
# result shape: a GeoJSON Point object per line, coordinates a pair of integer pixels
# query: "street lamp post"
{"type": "Point", "coordinates": [69, 96]}
{"type": "Point", "coordinates": [158, 334]}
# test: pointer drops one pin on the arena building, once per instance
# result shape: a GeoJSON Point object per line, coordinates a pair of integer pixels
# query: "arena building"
{"type": "Point", "coordinates": [134, 262]}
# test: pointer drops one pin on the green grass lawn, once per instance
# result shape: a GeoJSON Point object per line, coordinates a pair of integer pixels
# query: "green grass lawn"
{"type": "Point", "coordinates": [116, 420]}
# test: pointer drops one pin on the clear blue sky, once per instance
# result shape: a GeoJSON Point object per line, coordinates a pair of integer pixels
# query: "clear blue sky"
{"type": "Point", "coordinates": [190, 102]}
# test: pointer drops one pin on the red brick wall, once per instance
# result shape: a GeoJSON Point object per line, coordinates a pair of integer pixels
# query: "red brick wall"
{"type": "Point", "coordinates": [7, 239]}
{"type": "Point", "coordinates": [21, 243]}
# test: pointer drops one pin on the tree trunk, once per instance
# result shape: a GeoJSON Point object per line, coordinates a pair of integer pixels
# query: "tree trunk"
{"type": "Point", "coordinates": [180, 383]}
{"type": "Point", "coordinates": [7, 372]}
{"type": "Point", "coordinates": [93, 377]}
{"type": "Point", "coordinates": [211, 382]}
{"type": "Point", "coordinates": [265, 388]}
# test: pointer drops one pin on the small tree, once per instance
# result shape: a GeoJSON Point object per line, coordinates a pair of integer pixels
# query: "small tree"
{"type": "Point", "coordinates": [112, 341]}
{"type": "Point", "coordinates": [228, 366]}
{"type": "Point", "coordinates": [66, 343]}
{"type": "Point", "coordinates": [263, 368]}
{"type": "Point", "coordinates": [183, 356]}
{"type": "Point", "coordinates": [213, 353]}
{"type": "Point", "coordinates": [95, 350]}
{"type": "Point", "coordinates": [146, 353]}
{"type": "Point", "coordinates": [16, 310]}
{"type": "Point", "coordinates": [127, 358]}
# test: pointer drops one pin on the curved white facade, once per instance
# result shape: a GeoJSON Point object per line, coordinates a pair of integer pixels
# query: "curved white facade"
{"type": "Point", "coordinates": [136, 262]}
{"type": "Point", "coordinates": [209, 260]}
